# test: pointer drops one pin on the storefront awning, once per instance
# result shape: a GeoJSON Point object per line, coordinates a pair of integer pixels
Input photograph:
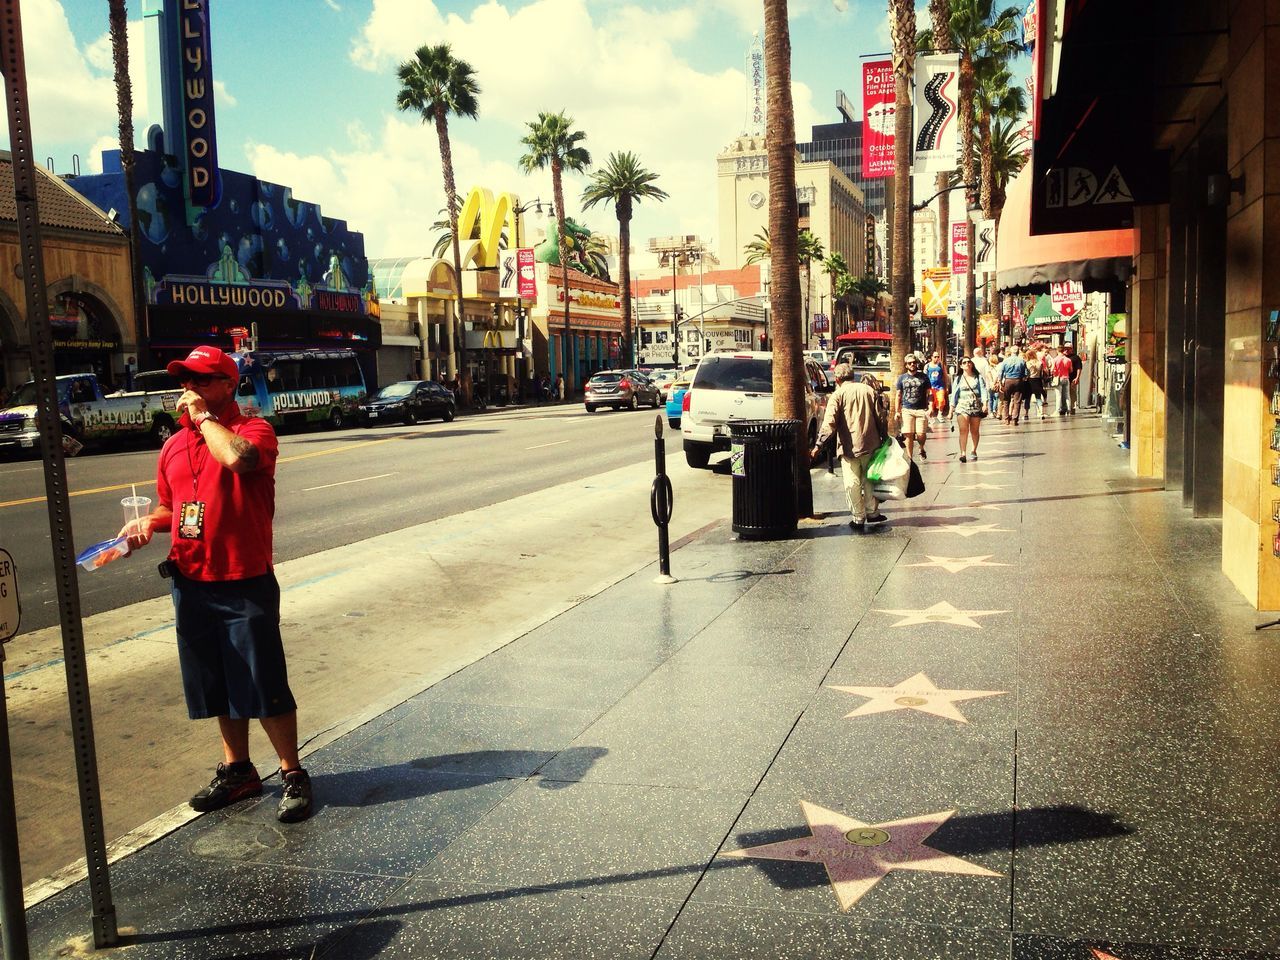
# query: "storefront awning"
{"type": "Point", "coordinates": [1102, 259]}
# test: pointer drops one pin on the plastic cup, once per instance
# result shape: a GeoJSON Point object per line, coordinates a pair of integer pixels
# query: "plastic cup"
{"type": "Point", "coordinates": [135, 508]}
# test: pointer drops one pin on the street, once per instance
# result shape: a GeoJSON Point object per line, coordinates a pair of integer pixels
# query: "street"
{"type": "Point", "coordinates": [403, 555]}
{"type": "Point", "coordinates": [332, 488]}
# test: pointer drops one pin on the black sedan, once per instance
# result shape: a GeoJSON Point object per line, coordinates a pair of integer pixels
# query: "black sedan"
{"type": "Point", "coordinates": [408, 402]}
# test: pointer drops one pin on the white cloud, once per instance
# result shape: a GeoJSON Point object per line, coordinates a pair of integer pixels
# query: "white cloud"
{"type": "Point", "coordinates": [71, 94]}
{"type": "Point", "coordinates": [221, 95]}
{"type": "Point", "coordinates": [616, 74]}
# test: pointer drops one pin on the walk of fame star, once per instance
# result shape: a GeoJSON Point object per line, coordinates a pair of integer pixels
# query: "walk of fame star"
{"type": "Point", "coordinates": [966, 529]}
{"type": "Point", "coordinates": [859, 855]}
{"type": "Point", "coordinates": [1102, 954]}
{"type": "Point", "coordinates": [916, 693]}
{"type": "Point", "coordinates": [957, 564]}
{"type": "Point", "coordinates": [942, 612]}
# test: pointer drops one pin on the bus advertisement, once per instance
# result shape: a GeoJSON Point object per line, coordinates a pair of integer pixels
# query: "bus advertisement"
{"type": "Point", "coordinates": [295, 388]}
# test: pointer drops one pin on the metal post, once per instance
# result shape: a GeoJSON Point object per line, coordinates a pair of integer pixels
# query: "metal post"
{"type": "Point", "coordinates": [13, 64]}
{"type": "Point", "coordinates": [13, 916]}
{"type": "Point", "coordinates": [661, 500]}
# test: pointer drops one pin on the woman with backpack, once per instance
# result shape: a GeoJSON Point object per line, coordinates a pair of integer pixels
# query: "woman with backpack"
{"type": "Point", "coordinates": [969, 398]}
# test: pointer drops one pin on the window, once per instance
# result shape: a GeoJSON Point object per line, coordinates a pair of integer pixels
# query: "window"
{"type": "Point", "coordinates": [802, 211]}
{"type": "Point", "coordinates": [246, 388]}
{"type": "Point", "coordinates": [748, 374]}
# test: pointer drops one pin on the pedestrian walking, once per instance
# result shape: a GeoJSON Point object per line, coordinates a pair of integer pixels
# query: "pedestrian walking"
{"type": "Point", "coordinates": [1073, 387]}
{"type": "Point", "coordinates": [987, 367]}
{"type": "Point", "coordinates": [938, 396]}
{"type": "Point", "coordinates": [1033, 386]}
{"type": "Point", "coordinates": [215, 482]}
{"type": "Point", "coordinates": [911, 402]}
{"type": "Point", "coordinates": [560, 386]}
{"type": "Point", "coordinates": [1012, 372]}
{"type": "Point", "coordinates": [969, 399]}
{"type": "Point", "coordinates": [853, 416]}
{"type": "Point", "coordinates": [1062, 378]}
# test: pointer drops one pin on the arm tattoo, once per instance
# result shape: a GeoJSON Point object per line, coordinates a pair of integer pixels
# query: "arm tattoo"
{"type": "Point", "coordinates": [245, 451]}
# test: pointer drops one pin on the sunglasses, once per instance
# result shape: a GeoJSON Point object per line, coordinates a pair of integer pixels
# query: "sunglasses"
{"type": "Point", "coordinates": [201, 379]}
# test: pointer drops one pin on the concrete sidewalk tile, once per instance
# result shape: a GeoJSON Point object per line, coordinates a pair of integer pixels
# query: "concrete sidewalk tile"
{"type": "Point", "coordinates": [717, 932]}
{"type": "Point", "coordinates": [605, 839]}
{"type": "Point", "coordinates": [457, 921]}
{"type": "Point", "coordinates": [466, 738]}
{"type": "Point", "coordinates": [1036, 947]}
{"type": "Point", "coordinates": [799, 889]}
{"type": "Point", "coordinates": [174, 907]}
{"type": "Point", "coordinates": [1176, 879]}
{"type": "Point", "coordinates": [378, 820]}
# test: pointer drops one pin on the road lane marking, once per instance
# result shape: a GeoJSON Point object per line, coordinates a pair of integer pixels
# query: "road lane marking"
{"type": "Point", "coordinates": [81, 493]}
{"type": "Point", "coordinates": [539, 446]}
{"type": "Point", "coordinates": [343, 483]}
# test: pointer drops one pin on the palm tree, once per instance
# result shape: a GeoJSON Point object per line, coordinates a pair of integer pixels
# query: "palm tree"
{"type": "Point", "coordinates": [837, 271]}
{"type": "Point", "coordinates": [758, 248]}
{"type": "Point", "coordinates": [808, 249]}
{"type": "Point", "coordinates": [118, 20]}
{"type": "Point", "coordinates": [552, 142]}
{"type": "Point", "coordinates": [625, 182]}
{"type": "Point", "coordinates": [997, 96]}
{"type": "Point", "coordinates": [902, 28]}
{"type": "Point", "coordinates": [784, 223]}
{"type": "Point", "coordinates": [437, 85]}
{"type": "Point", "coordinates": [1006, 154]}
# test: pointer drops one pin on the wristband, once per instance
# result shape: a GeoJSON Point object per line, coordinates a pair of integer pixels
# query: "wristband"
{"type": "Point", "coordinates": [200, 418]}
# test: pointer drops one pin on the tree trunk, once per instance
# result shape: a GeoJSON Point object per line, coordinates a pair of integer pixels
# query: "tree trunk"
{"type": "Point", "coordinates": [987, 196]}
{"type": "Point", "coordinates": [451, 198]}
{"type": "Point", "coordinates": [902, 22]}
{"type": "Point", "coordinates": [562, 247]}
{"type": "Point", "coordinates": [940, 21]}
{"type": "Point", "coordinates": [784, 222]}
{"type": "Point", "coordinates": [118, 18]}
{"type": "Point", "coordinates": [624, 277]}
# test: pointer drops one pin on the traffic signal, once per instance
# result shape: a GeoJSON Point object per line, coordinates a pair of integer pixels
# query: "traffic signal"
{"type": "Point", "coordinates": [679, 314]}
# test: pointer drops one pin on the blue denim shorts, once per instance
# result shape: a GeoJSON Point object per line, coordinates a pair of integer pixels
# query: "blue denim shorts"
{"type": "Point", "coordinates": [229, 647]}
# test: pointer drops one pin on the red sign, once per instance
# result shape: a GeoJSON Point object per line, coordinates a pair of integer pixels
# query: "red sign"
{"type": "Point", "coordinates": [527, 279]}
{"type": "Point", "coordinates": [1067, 297]}
{"type": "Point", "coordinates": [878, 110]}
{"type": "Point", "coordinates": [960, 247]}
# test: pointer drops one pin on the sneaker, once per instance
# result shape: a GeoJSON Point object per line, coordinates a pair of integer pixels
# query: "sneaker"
{"type": "Point", "coordinates": [877, 518]}
{"type": "Point", "coordinates": [974, 454]}
{"type": "Point", "coordinates": [858, 526]}
{"type": "Point", "coordinates": [962, 458]}
{"type": "Point", "coordinates": [227, 787]}
{"type": "Point", "coordinates": [295, 802]}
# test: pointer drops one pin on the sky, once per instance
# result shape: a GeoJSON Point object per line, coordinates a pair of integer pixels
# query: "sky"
{"type": "Point", "coordinates": [306, 91]}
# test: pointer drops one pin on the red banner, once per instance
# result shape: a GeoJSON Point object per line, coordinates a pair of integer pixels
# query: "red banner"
{"type": "Point", "coordinates": [527, 277]}
{"type": "Point", "coordinates": [877, 118]}
{"type": "Point", "coordinates": [960, 247]}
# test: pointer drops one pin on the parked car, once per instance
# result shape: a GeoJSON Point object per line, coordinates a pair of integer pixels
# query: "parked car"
{"type": "Point", "coordinates": [662, 379]}
{"type": "Point", "coordinates": [874, 360]}
{"type": "Point", "coordinates": [408, 402]}
{"type": "Point", "coordinates": [620, 388]}
{"type": "Point", "coordinates": [678, 389]}
{"type": "Point", "coordinates": [90, 416]}
{"type": "Point", "coordinates": [739, 386]}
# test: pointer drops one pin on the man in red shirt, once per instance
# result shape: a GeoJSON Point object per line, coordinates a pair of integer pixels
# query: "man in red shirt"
{"type": "Point", "coordinates": [216, 493]}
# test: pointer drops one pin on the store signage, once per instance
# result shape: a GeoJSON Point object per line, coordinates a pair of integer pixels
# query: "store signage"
{"type": "Point", "coordinates": [960, 247]}
{"type": "Point", "coordinates": [339, 301]}
{"type": "Point", "coordinates": [936, 81]}
{"type": "Point", "coordinates": [878, 99]}
{"type": "Point", "coordinates": [197, 110]}
{"type": "Point", "coordinates": [10, 609]}
{"type": "Point", "coordinates": [255, 295]}
{"type": "Point", "coordinates": [1067, 297]}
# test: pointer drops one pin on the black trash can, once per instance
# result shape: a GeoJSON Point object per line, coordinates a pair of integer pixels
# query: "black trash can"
{"type": "Point", "coordinates": [763, 461]}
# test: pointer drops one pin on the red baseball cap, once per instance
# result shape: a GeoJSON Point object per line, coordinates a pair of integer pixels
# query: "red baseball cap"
{"type": "Point", "coordinates": [206, 361]}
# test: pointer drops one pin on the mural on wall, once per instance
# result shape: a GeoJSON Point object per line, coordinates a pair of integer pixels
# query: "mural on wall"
{"type": "Point", "coordinates": [275, 251]}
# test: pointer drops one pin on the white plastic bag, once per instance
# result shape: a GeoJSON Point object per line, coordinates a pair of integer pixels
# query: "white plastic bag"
{"type": "Point", "coordinates": [895, 464]}
{"type": "Point", "coordinates": [895, 489]}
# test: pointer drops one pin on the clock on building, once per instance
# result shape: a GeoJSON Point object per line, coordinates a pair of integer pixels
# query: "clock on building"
{"type": "Point", "coordinates": [756, 199]}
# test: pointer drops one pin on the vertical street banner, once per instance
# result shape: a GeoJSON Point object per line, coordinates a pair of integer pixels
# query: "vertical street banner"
{"type": "Point", "coordinates": [984, 246]}
{"type": "Point", "coordinates": [960, 247]}
{"type": "Point", "coordinates": [935, 292]}
{"type": "Point", "coordinates": [527, 281]}
{"type": "Point", "coordinates": [878, 118]}
{"type": "Point", "coordinates": [937, 113]}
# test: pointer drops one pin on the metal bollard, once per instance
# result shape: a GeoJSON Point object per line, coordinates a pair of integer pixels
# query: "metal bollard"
{"type": "Point", "coordinates": [661, 501]}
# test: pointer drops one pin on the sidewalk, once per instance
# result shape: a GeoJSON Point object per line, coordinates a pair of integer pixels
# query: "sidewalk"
{"type": "Point", "coordinates": [1028, 719]}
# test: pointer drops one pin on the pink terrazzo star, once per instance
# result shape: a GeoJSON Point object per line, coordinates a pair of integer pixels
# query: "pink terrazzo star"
{"type": "Point", "coordinates": [859, 855]}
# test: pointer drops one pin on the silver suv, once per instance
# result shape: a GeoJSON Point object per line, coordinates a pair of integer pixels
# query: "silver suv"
{"type": "Point", "coordinates": [739, 386]}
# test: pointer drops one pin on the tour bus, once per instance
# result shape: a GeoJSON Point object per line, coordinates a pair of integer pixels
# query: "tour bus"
{"type": "Point", "coordinates": [294, 388]}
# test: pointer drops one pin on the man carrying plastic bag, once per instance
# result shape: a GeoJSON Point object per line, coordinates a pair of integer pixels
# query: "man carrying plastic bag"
{"type": "Point", "coordinates": [852, 416]}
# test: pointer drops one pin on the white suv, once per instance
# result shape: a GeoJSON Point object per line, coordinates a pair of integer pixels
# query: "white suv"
{"type": "Point", "coordinates": [739, 386]}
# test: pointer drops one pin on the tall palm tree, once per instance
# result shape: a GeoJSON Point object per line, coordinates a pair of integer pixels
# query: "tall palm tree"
{"type": "Point", "coordinates": [837, 271]}
{"type": "Point", "coordinates": [437, 85]}
{"type": "Point", "coordinates": [1006, 154]}
{"type": "Point", "coordinates": [624, 182]}
{"type": "Point", "coordinates": [552, 142]}
{"type": "Point", "coordinates": [118, 21]}
{"type": "Point", "coordinates": [902, 30]}
{"type": "Point", "coordinates": [808, 249]}
{"type": "Point", "coordinates": [997, 96]}
{"type": "Point", "coordinates": [784, 224]}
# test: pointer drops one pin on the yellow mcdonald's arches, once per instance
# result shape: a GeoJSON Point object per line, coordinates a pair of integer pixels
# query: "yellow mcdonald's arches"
{"type": "Point", "coordinates": [492, 338]}
{"type": "Point", "coordinates": [491, 215]}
